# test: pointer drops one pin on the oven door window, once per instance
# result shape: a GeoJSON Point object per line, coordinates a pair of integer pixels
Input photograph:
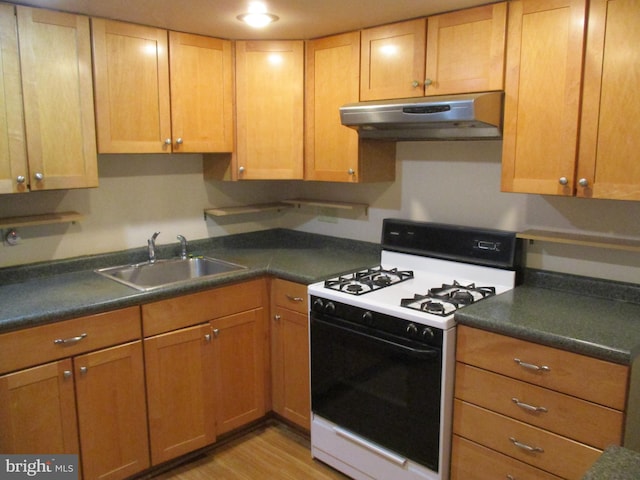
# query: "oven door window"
{"type": "Point", "coordinates": [383, 388]}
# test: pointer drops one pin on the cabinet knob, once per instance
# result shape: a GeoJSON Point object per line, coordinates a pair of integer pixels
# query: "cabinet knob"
{"type": "Point", "coordinates": [415, 84]}
{"type": "Point", "coordinates": [67, 374]}
{"type": "Point", "coordinates": [167, 141]}
{"type": "Point", "coordinates": [83, 370]}
{"type": "Point", "coordinates": [277, 317]}
{"type": "Point", "coordinates": [428, 82]}
{"type": "Point", "coordinates": [351, 171]}
{"type": "Point", "coordinates": [207, 337]}
{"type": "Point", "coordinates": [583, 182]}
{"type": "Point", "coordinates": [563, 181]}
{"type": "Point", "coordinates": [179, 141]}
{"type": "Point", "coordinates": [216, 332]}
{"type": "Point", "coordinates": [39, 176]}
{"type": "Point", "coordinates": [241, 169]}
{"type": "Point", "coordinates": [20, 179]}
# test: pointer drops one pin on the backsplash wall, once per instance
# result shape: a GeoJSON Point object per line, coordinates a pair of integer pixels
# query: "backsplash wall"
{"type": "Point", "coordinates": [451, 182]}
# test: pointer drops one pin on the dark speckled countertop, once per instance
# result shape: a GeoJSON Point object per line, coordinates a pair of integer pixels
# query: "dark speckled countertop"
{"type": "Point", "coordinates": [594, 317]}
{"type": "Point", "coordinates": [616, 463]}
{"type": "Point", "coordinates": [579, 314]}
{"type": "Point", "coordinates": [47, 292]}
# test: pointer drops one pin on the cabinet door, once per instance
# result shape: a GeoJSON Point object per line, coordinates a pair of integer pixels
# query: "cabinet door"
{"type": "Point", "coordinates": [290, 366]}
{"type": "Point", "coordinates": [610, 128]}
{"type": "Point", "coordinates": [542, 95]}
{"type": "Point", "coordinates": [112, 414]}
{"type": "Point", "coordinates": [38, 410]}
{"type": "Point", "coordinates": [392, 61]}
{"type": "Point", "coordinates": [332, 80]}
{"type": "Point", "coordinates": [269, 109]}
{"type": "Point", "coordinates": [55, 54]}
{"type": "Point", "coordinates": [239, 368]}
{"type": "Point", "coordinates": [13, 153]}
{"type": "Point", "coordinates": [180, 392]}
{"type": "Point", "coordinates": [465, 50]}
{"type": "Point", "coordinates": [201, 93]}
{"type": "Point", "coordinates": [131, 70]}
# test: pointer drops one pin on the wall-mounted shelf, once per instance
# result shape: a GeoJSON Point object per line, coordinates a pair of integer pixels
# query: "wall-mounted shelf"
{"type": "Point", "coordinates": [43, 219]}
{"type": "Point", "coordinates": [298, 202]}
{"type": "Point", "coordinates": [628, 245]}
{"type": "Point", "coordinates": [277, 206]}
{"type": "Point", "coordinates": [244, 209]}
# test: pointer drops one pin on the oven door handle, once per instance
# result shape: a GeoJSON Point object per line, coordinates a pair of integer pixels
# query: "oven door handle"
{"type": "Point", "coordinates": [418, 353]}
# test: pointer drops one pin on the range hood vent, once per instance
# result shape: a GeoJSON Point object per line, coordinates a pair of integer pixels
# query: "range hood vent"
{"type": "Point", "coordinates": [475, 116]}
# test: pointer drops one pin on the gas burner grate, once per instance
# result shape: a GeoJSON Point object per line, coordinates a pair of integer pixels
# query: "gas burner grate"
{"type": "Point", "coordinates": [368, 280]}
{"type": "Point", "coordinates": [448, 298]}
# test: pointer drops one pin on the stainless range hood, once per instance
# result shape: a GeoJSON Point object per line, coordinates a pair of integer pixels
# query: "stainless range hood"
{"type": "Point", "coordinates": [475, 116]}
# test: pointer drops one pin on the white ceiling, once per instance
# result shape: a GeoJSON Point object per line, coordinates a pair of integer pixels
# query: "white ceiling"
{"type": "Point", "coordinates": [299, 19]}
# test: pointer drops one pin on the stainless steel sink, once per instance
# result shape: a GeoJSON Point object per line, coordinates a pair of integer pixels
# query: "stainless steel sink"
{"type": "Point", "coordinates": [148, 276]}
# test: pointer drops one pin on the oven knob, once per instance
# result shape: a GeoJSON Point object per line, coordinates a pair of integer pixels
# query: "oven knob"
{"type": "Point", "coordinates": [412, 330]}
{"type": "Point", "coordinates": [318, 304]}
{"type": "Point", "coordinates": [367, 318]}
{"type": "Point", "coordinates": [330, 308]}
{"type": "Point", "coordinates": [427, 333]}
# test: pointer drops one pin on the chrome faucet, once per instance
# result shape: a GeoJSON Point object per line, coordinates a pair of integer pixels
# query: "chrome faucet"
{"type": "Point", "coordinates": [152, 247]}
{"type": "Point", "coordinates": [183, 247]}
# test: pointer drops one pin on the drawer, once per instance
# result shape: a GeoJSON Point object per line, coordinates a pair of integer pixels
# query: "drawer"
{"type": "Point", "coordinates": [33, 346]}
{"type": "Point", "coordinates": [195, 308]}
{"type": "Point", "coordinates": [472, 461]}
{"type": "Point", "coordinates": [585, 377]}
{"type": "Point", "coordinates": [290, 295]}
{"type": "Point", "coordinates": [544, 450]}
{"type": "Point", "coordinates": [571, 417]}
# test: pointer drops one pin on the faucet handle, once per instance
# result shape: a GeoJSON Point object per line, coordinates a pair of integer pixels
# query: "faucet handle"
{"type": "Point", "coordinates": [155, 235]}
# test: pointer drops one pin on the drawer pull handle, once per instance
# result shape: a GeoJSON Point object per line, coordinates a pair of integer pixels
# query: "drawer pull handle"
{"type": "Point", "coordinates": [526, 406]}
{"type": "Point", "coordinates": [295, 299]}
{"type": "Point", "coordinates": [510, 477]}
{"type": "Point", "coordinates": [69, 341]}
{"type": "Point", "coordinates": [524, 446]}
{"type": "Point", "coordinates": [531, 366]}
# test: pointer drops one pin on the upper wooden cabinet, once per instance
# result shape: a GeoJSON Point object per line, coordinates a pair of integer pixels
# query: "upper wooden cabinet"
{"type": "Point", "coordinates": [131, 66]}
{"type": "Point", "coordinates": [610, 127]}
{"type": "Point", "coordinates": [334, 152]}
{"type": "Point", "coordinates": [201, 74]}
{"type": "Point", "coordinates": [54, 69]}
{"type": "Point", "coordinates": [269, 109]}
{"type": "Point", "coordinates": [392, 60]}
{"type": "Point", "coordinates": [13, 152]}
{"type": "Point", "coordinates": [465, 50]}
{"type": "Point", "coordinates": [542, 95]}
{"type": "Point", "coordinates": [135, 113]}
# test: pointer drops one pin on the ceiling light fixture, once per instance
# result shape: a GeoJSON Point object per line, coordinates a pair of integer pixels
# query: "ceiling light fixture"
{"type": "Point", "coordinates": [257, 16]}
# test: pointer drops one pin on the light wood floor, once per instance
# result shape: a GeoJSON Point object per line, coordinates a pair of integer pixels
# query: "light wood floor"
{"type": "Point", "coordinates": [273, 451]}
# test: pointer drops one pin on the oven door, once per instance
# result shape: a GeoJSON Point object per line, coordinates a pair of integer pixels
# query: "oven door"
{"type": "Point", "coordinates": [381, 387]}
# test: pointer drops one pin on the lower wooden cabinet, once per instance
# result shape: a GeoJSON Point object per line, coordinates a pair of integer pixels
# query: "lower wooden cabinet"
{"type": "Point", "coordinates": [239, 346]}
{"type": "Point", "coordinates": [525, 411]}
{"type": "Point", "coordinates": [476, 462]}
{"type": "Point", "coordinates": [38, 410]}
{"type": "Point", "coordinates": [137, 387]}
{"type": "Point", "coordinates": [90, 402]}
{"type": "Point", "coordinates": [112, 412]}
{"type": "Point", "coordinates": [290, 352]}
{"type": "Point", "coordinates": [206, 366]}
{"type": "Point", "coordinates": [180, 392]}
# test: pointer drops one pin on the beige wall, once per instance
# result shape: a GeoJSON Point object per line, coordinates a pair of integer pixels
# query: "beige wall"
{"type": "Point", "coordinates": [453, 182]}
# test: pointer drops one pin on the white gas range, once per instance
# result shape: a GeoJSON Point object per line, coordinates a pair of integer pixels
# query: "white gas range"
{"type": "Point", "coordinates": [383, 347]}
